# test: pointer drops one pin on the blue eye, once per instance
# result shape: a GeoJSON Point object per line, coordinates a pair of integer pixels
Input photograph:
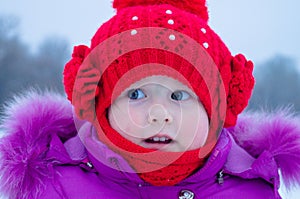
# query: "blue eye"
{"type": "Point", "coordinates": [180, 95]}
{"type": "Point", "coordinates": [136, 94]}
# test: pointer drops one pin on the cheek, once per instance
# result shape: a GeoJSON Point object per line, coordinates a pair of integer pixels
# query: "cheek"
{"type": "Point", "coordinates": [118, 118]}
{"type": "Point", "coordinates": [137, 116]}
{"type": "Point", "coordinates": [113, 117]}
{"type": "Point", "coordinates": [126, 118]}
{"type": "Point", "coordinates": [192, 118]}
{"type": "Point", "coordinates": [194, 126]}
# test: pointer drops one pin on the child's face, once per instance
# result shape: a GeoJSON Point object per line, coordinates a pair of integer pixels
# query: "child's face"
{"type": "Point", "coordinates": [159, 112]}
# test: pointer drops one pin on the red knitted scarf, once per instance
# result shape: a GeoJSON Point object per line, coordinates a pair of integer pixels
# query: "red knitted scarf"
{"type": "Point", "coordinates": [155, 167]}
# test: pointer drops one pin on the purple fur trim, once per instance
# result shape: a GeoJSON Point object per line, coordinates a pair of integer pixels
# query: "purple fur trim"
{"type": "Point", "coordinates": [32, 120]}
{"type": "Point", "coordinates": [28, 126]}
{"type": "Point", "coordinates": [278, 133]}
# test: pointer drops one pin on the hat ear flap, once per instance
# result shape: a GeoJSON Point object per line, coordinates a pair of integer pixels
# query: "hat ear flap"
{"type": "Point", "coordinates": [240, 88]}
{"type": "Point", "coordinates": [72, 67]}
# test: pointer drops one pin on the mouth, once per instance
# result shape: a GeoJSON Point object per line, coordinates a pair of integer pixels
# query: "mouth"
{"type": "Point", "coordinates": [159, 140]}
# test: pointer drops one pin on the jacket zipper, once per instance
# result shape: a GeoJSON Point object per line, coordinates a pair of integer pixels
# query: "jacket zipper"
{"type": "Point", "coordinates": [220, 178]}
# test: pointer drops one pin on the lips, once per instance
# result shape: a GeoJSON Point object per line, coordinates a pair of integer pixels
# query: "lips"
{"type": "Point", "coordinates": [159, 140]}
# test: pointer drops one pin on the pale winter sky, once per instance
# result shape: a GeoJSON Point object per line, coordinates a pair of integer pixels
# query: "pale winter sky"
{"type": "Point", "coordinates": [261, 29]}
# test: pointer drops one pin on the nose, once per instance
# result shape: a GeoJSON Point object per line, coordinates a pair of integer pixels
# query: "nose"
{"type": "Point", "coordinates": [158, 114]}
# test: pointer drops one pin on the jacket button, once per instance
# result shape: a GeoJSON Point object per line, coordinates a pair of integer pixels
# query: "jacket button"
{"type": "Point", "coordinates": [186, 194]}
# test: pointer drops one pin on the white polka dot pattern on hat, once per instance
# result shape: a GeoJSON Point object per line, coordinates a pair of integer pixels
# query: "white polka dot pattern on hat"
{"type": "Point", "coordinates": [169, 12]}
{"type": "Point", "coordinates": [133, 32]}
{"type": "Point", "coordinates": [205, 44]}
{"type": "Point", "coordinates": [135, 18]}
{"type": "Point", "coordinates": [172, 37]}
{"type": "Point", "coordinates": [171, 21]}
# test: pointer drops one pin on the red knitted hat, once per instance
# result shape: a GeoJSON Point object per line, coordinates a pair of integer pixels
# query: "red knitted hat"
{"type": "Point", "coordinates": [188, 17]}
{"type": "Point", "coordinates": [158, 37]}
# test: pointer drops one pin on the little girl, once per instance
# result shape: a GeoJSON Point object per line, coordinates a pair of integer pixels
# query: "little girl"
{"type": "Point", "coordinates": [154, 112]}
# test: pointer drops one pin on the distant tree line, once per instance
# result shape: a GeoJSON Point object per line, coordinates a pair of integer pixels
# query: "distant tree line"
{"type": "Point", "coordinates": [277, 80]}
{"type": "Point", "coordinates": [22, 69]}
{"type": "Point", "coordinates": [277, 85]}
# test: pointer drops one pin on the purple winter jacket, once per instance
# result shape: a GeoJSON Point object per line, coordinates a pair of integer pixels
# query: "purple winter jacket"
{"type": "Point", "coordinates": [42, 156]}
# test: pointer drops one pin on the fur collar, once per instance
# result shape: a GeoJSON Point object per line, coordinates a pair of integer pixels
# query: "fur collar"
{"type": "Point", "coordinates": [28, 126]}
{"type": "Point", "coordinates": [31, 121]}
{"type": "Point", "coordinates": [277, 133]}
